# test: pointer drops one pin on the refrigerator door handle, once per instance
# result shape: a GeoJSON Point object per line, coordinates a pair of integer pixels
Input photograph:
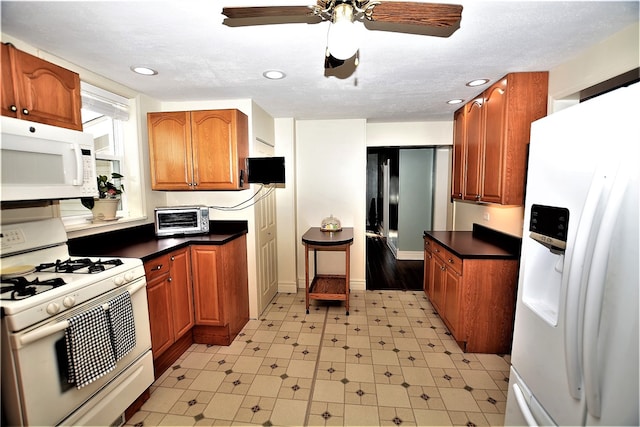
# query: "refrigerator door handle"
{"type": "Point", "coordinates": [595, 293]}
{"type": "Point", "coordinates": [524, 408]}
{"type": "Point", "coordinates": [580, 259]}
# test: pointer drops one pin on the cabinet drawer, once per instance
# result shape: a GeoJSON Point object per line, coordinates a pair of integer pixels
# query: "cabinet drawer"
{"type": "Point", "coordinates": [156, 267]}
{"type": "Point", "coordinates": [428, 244]}
{"type": "Point", "coordinates": [450, 260]}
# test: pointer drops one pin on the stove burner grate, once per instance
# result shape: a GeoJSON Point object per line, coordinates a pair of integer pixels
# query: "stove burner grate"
{"type": "Point", "coordinates": [22, 288]}
{"type": "Point", "coordinates": [79, 265]}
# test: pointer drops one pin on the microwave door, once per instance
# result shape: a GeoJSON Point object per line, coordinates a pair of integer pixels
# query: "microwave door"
{"type": "Point", "coordinates": [36, 168]}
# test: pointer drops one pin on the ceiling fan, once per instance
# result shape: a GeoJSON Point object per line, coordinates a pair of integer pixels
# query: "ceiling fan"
{"type": "Point", "coordinates": [431, 19]}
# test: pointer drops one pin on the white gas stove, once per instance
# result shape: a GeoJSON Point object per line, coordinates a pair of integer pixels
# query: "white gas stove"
{"type": "Point", "coordinates": [43, 291]}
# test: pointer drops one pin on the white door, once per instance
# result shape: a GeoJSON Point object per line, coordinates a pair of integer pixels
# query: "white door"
{"type": "Point", "coordinates": [266, 239]}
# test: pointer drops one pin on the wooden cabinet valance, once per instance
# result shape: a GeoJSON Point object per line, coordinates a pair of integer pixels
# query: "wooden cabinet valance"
{"type": "Point", "coordinates": [491, 137]}
{"type": "Point", "coordinates": [198, 150]}
{"type": "Point", "coordinates": [36, 90]}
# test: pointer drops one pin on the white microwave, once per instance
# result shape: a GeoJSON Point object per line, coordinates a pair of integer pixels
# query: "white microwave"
{"type": "Point", "coordinates": [177, 220]}
{"type": "Point", "coordinates": [43, 162]}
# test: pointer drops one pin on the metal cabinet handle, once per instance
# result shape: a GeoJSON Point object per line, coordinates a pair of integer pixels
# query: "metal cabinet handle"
{"type": "Point", "coordinates": [170, 279]}
{"type": "Point", "coordinates": [451, 260]}
{"type": "Point", "coordinates": [13, 108]}
{"type": "Point", "coordinates": [157, 267]}
{"type": "Point", "coordinates": [173, 258]}
{"type": "Point", "coordinates": [25, 111]}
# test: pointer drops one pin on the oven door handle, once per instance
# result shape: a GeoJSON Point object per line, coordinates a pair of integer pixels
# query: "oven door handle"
{"type": "Point", "coordinates": [29, 337]}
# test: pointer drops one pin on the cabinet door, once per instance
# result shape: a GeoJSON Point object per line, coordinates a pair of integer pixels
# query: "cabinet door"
{"type": "Point", "coordinates": [438, 285]}
{"type": "Point", "coordinates": [207, 286]}
{"type": "Point", "coordinates": [428, 269]}
{"type": "Point", "coordinates": [8, 107]}
{"type": "Point", "coordinates": [494, 141]}
{"type": "Point", "coordinates": [474, 136]}
{"type": "Point", "coordinates": [181, 291]}
{"type": "Point", "coordinates": [45, 92]}
{"type": "Point", "coordinates": [459, 154]}
{"type": "Point", "coordinates": [452, 298]}
{"type": "Point", "coordinates": [220, 148]}
{"type": "Point", "coordinates": [158, 295]}
{"type": "Point", "coordinates": [170, 150]}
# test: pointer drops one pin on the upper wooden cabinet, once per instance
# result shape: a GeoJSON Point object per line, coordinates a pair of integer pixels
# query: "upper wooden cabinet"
{"type": "Point", "coordinates": [491, 137]}
{"type": "Point", "coordinates": [36, 90]}
{"type": "Point", "coordinates": [198, 150]}
{"type": "Point", "coordinates": [459, 153]}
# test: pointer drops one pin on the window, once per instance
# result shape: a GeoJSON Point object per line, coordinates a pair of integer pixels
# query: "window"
{"type": "Point", "coordinates": [105, 115]}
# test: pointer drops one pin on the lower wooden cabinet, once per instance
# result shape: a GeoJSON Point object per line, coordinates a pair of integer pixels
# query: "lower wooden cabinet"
{"type": "Point", "coordinates": [475, 297]}
{"type": "Point", "coordinates": [170, 299]}
{"type": "Point", "coordinates": [221, 297]}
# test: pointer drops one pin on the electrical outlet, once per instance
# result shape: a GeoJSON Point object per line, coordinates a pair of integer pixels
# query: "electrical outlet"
{"type": "Point", "coordinates": [486, 216]}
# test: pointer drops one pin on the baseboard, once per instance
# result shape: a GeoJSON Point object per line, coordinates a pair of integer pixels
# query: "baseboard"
{"type": "Point", "coordinates": [410, 255]}
{"type": "Point", "coordinates": [287, 287]}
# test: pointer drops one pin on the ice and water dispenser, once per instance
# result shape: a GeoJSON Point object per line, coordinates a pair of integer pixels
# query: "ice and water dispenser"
{"type": "Point", "coordinates": [544, 263]}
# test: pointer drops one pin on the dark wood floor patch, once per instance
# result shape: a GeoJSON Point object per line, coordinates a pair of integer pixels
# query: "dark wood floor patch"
{"type": "Point", "coordinates": [384, 272]}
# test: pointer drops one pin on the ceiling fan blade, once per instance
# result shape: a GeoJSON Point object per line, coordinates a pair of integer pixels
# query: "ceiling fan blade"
{"type": "Point", "coordinates": [412, 13]}
{"type": "Point", "coordinates": [263, 15]}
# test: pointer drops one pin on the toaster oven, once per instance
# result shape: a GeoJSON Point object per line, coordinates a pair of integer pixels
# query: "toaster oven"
{"type": "Point", "coordinates": [177, 220]}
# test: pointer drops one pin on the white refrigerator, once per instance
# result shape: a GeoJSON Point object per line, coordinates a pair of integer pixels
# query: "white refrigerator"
{"type": "Point", "coordinates": [575, 347]}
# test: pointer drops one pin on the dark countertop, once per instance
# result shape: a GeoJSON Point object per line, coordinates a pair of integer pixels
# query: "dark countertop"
{"type": "Point", "coordinates": [315, 236]}
{"type": "Point", "coordinates": [141, 242]}
{"type": "Point", "coordinates": [482, 242]}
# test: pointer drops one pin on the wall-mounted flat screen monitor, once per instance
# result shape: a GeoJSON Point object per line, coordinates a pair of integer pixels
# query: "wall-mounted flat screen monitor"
{"type": "Point", "coordinates": [265, 170]}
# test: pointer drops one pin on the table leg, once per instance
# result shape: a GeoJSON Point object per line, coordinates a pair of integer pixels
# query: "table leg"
{"type": "Point", "coordinates": [348, 289]}
{"type": "Point", "coordinates": [306, 274]}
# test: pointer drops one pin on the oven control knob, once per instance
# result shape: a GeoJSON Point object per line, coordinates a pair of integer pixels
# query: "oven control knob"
{"type": "Point", "coordinates": [128, 276]}
{"type": "Point", "coordinates": [53, 308]}
{"type": "Point", "coordinates": [69, 302]}
{"type": "Point", "coordinates": [119, 281]}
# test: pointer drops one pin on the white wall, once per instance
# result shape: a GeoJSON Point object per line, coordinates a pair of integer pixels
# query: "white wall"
{"type": "Point", "coordinates": [331, 179]}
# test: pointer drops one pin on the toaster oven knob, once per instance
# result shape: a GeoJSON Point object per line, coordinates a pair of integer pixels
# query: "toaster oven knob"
{"type": "Point", "coordinates": [53, 308]}
{"type": "Point", "coordinates": [119, 281]}
{"type": "Point", "coordinates": [69, 302]}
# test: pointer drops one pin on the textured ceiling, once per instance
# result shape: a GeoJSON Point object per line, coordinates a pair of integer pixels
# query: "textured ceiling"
{"type": "Point", "coordinates": [401, 77]}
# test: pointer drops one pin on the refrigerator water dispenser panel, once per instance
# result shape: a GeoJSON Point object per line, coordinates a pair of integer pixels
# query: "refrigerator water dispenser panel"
{"type": "Point", "coordinates": [548, 225]}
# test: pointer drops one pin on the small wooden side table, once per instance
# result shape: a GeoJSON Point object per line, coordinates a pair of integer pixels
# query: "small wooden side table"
{"type": "Point", "coordinates": [326, 286]}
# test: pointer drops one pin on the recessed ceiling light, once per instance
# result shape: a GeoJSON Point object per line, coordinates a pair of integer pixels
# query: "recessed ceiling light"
{"type": "Point", "coordinates": [145, 71]}
{"type": "Point", "coordinates": [455, 101]}
{"type": "Point", "coordinates": [274, 74]}
{"type": "Point", "coordinates": [477, 82]}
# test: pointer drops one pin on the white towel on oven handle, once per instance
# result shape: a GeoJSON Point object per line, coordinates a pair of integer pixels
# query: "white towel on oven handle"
{"type": "Point", "coordinates": [89, 350]}
{"type": "Point", "coordinates": [122, 325]}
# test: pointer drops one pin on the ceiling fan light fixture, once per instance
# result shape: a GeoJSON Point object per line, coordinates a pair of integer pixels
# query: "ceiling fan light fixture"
{"type": "Point", "coordinates": [477, 82]}
{"type": "Point", "coordinates": [343, 39]}
{"type": "Point", "coordinates": [455, 101]}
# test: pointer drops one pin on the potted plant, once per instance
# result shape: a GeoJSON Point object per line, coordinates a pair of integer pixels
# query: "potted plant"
{"type": "Point", "coordinates": [105, 206]}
